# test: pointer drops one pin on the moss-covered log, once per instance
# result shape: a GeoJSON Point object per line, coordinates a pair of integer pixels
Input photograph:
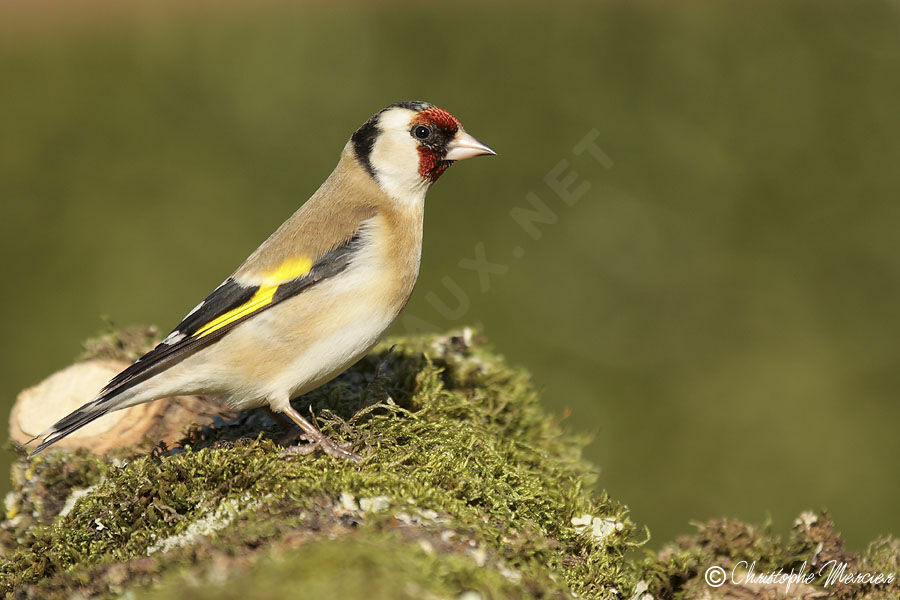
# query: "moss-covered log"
{"type": "Point", "coordinates": [468, 489]}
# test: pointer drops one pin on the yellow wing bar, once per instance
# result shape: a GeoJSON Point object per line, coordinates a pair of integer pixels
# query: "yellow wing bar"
{"type": "Point", "coordinates": [291, 269]}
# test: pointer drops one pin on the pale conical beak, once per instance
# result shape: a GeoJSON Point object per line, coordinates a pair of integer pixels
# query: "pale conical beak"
{"type": "Point", "coordinates": [464, 146]}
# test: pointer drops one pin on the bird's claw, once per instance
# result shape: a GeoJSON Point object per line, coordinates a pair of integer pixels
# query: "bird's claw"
{"type": "Point", "coordinates": [327, 445]}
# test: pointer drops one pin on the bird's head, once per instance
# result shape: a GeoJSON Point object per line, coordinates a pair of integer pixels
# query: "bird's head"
{"type": "Point", "coordinates": [407, 146]}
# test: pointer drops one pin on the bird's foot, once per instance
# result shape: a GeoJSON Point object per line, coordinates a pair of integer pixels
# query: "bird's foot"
{"type": "Point", "coordinates": [316, 439]}
{"type": "Point", "coordinates": [327, 445]}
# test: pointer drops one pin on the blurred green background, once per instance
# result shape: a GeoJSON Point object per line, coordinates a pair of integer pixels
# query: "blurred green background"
{"type": "Point", "coordinates": [719, 309]}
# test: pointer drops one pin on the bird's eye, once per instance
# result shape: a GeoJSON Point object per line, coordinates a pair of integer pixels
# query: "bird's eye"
{"type": "Point", "coordinates": [421, 132]}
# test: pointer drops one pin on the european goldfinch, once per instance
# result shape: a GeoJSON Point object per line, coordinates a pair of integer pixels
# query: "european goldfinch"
{"type": "Point", "coordinates": [316, 296]}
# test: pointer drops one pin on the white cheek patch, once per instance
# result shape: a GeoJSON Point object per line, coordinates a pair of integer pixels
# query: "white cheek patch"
{"type": "Point", "coordinates": [395, 157]}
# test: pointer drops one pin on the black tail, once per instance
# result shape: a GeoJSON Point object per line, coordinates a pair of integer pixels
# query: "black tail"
{"type": "Point", "coordinates": [74, 420]}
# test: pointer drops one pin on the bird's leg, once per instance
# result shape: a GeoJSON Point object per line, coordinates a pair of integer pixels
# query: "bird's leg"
{"type": "Point", "coordinates": [291, 433]}
{"type": "Point", "coordinates": [317, 439]}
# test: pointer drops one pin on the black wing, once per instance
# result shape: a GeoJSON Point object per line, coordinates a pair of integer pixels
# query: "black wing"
{"type": "Point", "coordinates": [228, 305]}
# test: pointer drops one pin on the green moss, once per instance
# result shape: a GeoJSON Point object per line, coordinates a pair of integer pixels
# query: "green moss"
{"type": "Point", "coordinates": [371, 566]}
{"type": "Point", "coordinates": [814, 546]}
{"type": "Point", "coordinates": [120, 344]}
{"type": "Point", "coordinates": [452, 438]}
{"type": "Point", "coordinates": [467, 485]}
